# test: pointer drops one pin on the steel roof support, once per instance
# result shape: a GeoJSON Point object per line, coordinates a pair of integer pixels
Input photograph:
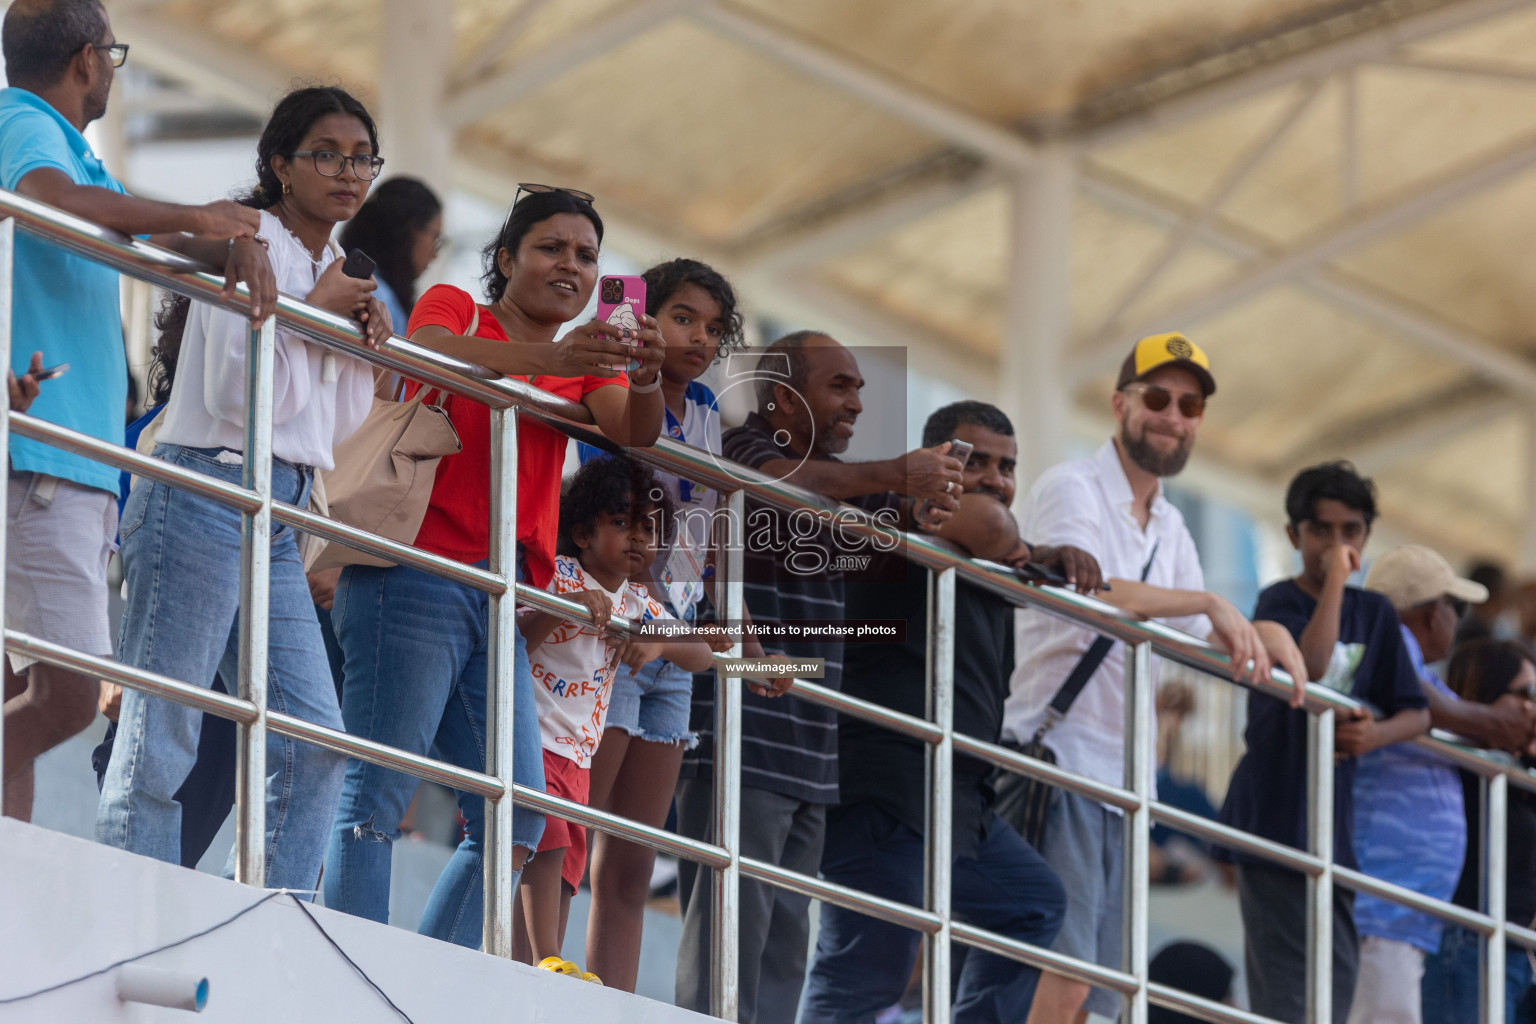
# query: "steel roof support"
{"type": "Point", "coordinates": [1349, 232]}
{"type": "Point", "coordinates": [1005, 147]}
{"type": "Point", "coordinates": [486, 97]}
{"type": "Point", "coordinates": [1110, 331]}
{"type": "Point", "coordinates": [1320, 61]}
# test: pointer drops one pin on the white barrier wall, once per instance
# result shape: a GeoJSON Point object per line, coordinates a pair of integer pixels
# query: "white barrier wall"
{"type": "Point", "coordinates": [69, 907]}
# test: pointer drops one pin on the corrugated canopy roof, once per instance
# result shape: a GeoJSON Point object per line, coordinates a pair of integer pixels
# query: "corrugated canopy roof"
{"type": "Point", "coordinates": [1333, 198]}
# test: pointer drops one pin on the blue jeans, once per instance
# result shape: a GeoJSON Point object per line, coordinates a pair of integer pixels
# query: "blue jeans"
{"type": "Point", "coordinates": [181, 559]}
{"type": "Point", "coordinates": [415, 678]}
{"type": "Point", "coordinates": [862, 965]}
{"type": "Point", "coordinates": [1451, 980]}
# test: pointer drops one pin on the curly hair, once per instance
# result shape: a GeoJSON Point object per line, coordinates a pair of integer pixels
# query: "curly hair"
{"type": "Point", "coordinates": [664, 279]}
{"type": "Point", "coordinates": [614, 484]}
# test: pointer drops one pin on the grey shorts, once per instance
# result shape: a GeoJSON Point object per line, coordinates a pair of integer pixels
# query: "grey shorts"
{"type": "Point", "coordinates": [1083, 845]}
{"type": "Point", "coordinates": [59, 536]}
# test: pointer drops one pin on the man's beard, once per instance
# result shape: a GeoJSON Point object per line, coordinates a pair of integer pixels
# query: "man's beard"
{"type": "Point", "coordinates": [830, 443]}
{"type": "Point", "coordinates": [1150, 459]}
{"type": "Point", "coordinates": [96, 104]}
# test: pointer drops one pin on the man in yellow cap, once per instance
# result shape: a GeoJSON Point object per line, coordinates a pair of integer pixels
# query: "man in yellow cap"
{"type": "Point", "coordinates": [1068, 691]}
{"type": "Point", "coordinates": [1410, 823]}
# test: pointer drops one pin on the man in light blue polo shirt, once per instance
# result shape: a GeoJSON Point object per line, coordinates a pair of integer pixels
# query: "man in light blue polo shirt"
{"type": "Point", "coordinates": [60, 56]}
{"type": "Point", "coordinates": [1410, 827]}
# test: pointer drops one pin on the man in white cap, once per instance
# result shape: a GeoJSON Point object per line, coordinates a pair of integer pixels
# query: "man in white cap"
{"type": "Point", "coordinates": [1410, 828]}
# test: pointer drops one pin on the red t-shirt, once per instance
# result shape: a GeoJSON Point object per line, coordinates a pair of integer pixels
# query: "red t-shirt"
{"type": "Point", "coordinates": [457, 523]}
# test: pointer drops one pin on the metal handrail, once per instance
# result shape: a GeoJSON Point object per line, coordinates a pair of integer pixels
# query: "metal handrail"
{"type": "Point", "coordinates": [146, 262]}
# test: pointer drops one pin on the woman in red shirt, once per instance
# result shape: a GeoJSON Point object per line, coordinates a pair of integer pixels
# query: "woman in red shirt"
{"type": "Point", "coordinates": [415, 644]}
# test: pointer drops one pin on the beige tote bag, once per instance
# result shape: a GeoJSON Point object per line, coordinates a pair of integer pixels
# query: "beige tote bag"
{"type": "Point", "coordinates": [385, 472]}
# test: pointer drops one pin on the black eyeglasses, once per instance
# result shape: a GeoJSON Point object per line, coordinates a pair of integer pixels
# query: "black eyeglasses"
{"type": "Point", "coordinates": [1156, 398]}
{"type": "Point", "coordinates": [116, 52]}
{"type": "Point", "coordinates": [535, 189]}
{"type": "Point", "coordinates": [329, 163]}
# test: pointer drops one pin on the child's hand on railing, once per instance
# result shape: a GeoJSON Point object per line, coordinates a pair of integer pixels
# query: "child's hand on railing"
{"type": "Point", "coordinates": [636, 654]}
{"type": "Point", "coordinates": [598, 604]}
{"type": "Point", "coordinates": [718, 639]}
{"type": "Point", "coordinates": [1283, 651]}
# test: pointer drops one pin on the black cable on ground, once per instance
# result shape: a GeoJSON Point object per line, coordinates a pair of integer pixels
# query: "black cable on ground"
{"type": "Point", "coordinates": [208, 931]}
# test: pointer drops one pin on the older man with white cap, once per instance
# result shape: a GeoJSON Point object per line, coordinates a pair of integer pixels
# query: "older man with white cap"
{"type": "Point", "coordinates": [1410, 828]}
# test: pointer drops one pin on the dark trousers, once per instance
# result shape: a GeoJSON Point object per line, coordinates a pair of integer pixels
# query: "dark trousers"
{"type": "Point", "coordinates": [775, 924]}
{"type": "Point", "coordinates": [1273, 902]}
{"type": "Point", "coordinates": [209, 792]}
{"type": "Point", "coordinates": [862, 965]}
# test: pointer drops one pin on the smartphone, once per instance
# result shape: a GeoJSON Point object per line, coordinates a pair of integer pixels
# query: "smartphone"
{"type": "Point", "coordinates": [358, 264]}
{"type": "Point", "coordinates": [50, 372]}
{"type": "Point", "coordinates": [621, 302]}
{"type": "Point", "coordinates": [957, 449]}
{"type": "Point", "coordinates": [1034, 572]}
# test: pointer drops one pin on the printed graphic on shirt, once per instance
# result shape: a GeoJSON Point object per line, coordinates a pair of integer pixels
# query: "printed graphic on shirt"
{"type": "Point", "coordinates": [575, 665]}
{"type": "Point", "coordinates": [1340, 676]}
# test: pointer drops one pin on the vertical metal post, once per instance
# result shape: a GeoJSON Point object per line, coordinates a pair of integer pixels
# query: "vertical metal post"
{"type": "Point", "coordinates": [725, 894]}
{"type": "Point", "coordinates": [1139, 732]}
{"type": "Point", "coordinates": [7, 263]}
{"type": "Point", "coordinates": [255, 580]}
{"type": "Point", "coordinates": [938, 844]}
{"type": "Point", "coordinates": [1495, 796]}
{"type": "Point", "coordinates": [500, 677]}
{"type": "Point", "coordinates": [1320, 888]}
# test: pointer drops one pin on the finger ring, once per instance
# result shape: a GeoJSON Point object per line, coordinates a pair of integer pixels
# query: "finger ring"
{"type": "Point", "coordinates": [949, 487]}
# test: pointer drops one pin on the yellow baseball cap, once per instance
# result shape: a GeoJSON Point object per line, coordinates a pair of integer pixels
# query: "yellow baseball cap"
{"type": "Point", "coordinates": [1165, 349]}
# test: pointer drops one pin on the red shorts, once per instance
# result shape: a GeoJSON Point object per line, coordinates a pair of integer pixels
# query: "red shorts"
{"type": "Point", "coordinates": [564, 778]}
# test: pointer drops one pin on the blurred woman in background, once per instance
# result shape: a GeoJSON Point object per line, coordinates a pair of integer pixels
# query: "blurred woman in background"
{"type": "Point", "coordinates": [401, 228]}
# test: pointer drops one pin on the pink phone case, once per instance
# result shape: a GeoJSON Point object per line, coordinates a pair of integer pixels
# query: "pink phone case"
{"type": "Point", "coordinates": [621, 302]}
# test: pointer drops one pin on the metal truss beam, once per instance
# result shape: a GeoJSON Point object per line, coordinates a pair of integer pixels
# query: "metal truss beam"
{"type": "Point", "coordinates": [1383, 441]}
{"type": "Point", "coordinates": [233, 74]}
{"type": "Point", "coordinates": [1001, 145]}
{"type": "Point", "coordinates": [1377, 44]}
{"type": "Point", "coordinates": [1304, 262]}
{"type": "Point", "coordinates": [481, 99]}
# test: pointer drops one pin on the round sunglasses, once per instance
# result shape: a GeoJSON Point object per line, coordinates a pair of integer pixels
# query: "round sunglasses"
{"type": "Point", "coordinates": [1156, 398]}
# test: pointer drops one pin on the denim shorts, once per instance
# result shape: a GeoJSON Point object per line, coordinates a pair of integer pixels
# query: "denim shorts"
{"type": "Point", "coordinates": [653, 703]}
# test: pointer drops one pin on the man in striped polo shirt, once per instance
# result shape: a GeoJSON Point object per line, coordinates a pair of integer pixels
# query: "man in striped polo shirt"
{"type": "Point", "coordinates": [808, 401]}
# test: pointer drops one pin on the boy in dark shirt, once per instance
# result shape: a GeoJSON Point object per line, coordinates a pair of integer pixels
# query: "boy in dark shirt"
{"type": "Point", "coordinates": [1351, 643]}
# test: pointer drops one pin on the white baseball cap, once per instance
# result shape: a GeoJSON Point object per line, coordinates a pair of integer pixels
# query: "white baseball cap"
{"type": "Point", "coordinates": [1412, 574]}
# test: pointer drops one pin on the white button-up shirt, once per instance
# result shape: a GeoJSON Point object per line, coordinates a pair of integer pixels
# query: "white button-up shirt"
{"type": "Point", "coordinates": [1087, 503]}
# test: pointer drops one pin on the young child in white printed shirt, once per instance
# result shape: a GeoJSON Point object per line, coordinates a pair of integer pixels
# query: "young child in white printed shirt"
{"type": "Point", "coordinates": [612, 520]}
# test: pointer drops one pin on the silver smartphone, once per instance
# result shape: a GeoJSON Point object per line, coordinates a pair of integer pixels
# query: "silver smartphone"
{"type": "Point", "coordinates": [957, 449]}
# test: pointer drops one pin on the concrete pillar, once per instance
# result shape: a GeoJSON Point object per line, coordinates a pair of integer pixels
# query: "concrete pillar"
{"type": "Point", "coordinates": [415, 62]}
{"type": "Point", "coordinates": [1526, 564]}
{"type": "Point", "coordinates": [1032, 386]}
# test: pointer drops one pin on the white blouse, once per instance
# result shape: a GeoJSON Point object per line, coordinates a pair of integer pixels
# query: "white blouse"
{"type": "Point", "coordinates": [319, 397]}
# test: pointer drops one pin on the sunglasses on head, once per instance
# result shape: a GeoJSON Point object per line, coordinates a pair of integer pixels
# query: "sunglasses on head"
{"type": "Point", "coordinates": [536, 189]}
{"type": "Point", "coordinates": [1156, 398]}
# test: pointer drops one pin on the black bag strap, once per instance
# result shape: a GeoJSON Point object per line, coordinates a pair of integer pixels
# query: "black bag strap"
{"type": "Point", "coordinates": [1083, 671]}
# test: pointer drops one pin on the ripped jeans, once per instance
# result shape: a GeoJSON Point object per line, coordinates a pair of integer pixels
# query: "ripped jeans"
{"type": "Point", "coordinates": [415, 649]}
